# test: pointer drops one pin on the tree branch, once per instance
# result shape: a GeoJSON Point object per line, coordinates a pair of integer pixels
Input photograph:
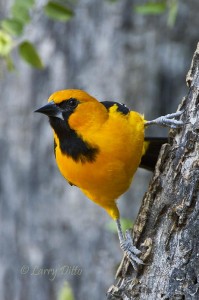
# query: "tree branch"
{"type": "Point", "coordinates": [167, 227]}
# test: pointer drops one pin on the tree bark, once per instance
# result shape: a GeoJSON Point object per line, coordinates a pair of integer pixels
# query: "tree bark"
{"type": "Point", "coordinates": [166, 229]}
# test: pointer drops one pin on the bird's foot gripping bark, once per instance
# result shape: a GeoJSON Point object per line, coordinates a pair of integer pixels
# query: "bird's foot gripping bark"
{"type": "Point", "coordinates": [126, 244]}
{"type": "Point", "coordinates": [130, 250]}
{"type": "Point", "coordinates": [167, 121]}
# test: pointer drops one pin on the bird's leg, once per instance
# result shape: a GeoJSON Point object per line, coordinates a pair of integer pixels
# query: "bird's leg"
{"type": "Point", "coordinates": [126, 244]}
{"type": "Point", "coordinates": [167, 121]}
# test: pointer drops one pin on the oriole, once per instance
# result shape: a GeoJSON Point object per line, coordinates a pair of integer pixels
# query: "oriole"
{"type": "Point", "coordinates": [99, 146]}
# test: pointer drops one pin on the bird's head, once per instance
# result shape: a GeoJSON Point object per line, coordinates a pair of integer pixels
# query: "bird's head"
{"type": "Point", "coordinates": [74, 109]}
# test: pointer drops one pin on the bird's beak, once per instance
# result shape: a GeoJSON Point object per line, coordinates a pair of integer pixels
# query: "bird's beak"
{"type": "Point", "coordinates": [51, 110]}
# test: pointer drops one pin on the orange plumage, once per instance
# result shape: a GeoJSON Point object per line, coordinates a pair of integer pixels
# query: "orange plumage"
{"type": "Point", "coordinates": [119, 139]}
{"type": "Point", "coordinates": [99, 146]}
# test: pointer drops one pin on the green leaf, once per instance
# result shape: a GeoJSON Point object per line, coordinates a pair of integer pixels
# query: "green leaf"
{"type": "Point", "coordinates": [58, 12]}
{"type": "Point", "coordinates": [66, 292]}
{"type": "Point", "coordinates": [125, 223]}
{"type": "Point", "coordinates": [28, 52]}
{"type": "Point", "coordinates": [12, 26]}
{"type": "Point", "coordinates": [151, 8]}
{"type": "Point", "coordinates": [68, 2]}
{"type": "Point", "coordinates": [6, 43]}
{"type": "Point", "coordinates": [20, 13]}
{"type": "Point", "coordinates": [25, 3]}
{"type": "Point", "coordinates": [173, 10]}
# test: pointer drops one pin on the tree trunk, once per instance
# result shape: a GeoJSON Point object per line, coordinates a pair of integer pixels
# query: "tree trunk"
{"type": "Point", "coordinates": [167, 226]}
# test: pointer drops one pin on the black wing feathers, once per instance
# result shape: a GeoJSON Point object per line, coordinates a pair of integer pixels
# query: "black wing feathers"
{"type": "Point", "coordinates": [120, 107]}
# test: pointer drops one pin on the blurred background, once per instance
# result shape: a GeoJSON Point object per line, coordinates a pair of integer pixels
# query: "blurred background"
{"type": "Point", "coordinates": [114, 53]}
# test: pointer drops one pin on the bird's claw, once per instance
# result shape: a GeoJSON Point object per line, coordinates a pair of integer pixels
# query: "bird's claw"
{"type": "Point", "coordinates": [131, 251]}
{"type": "Point", "coordinates": [167, 121]}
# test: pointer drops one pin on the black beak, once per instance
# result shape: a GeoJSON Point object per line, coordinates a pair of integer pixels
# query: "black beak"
{"type": "Point", "coordinates": [51, 110]}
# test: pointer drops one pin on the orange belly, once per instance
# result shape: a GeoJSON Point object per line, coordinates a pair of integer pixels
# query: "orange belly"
{"type": "Point", "coordinates": [120, 142]}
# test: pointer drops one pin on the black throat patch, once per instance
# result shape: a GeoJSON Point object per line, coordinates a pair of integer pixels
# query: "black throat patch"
{"type": "Point", "coordinates": [71, 144]}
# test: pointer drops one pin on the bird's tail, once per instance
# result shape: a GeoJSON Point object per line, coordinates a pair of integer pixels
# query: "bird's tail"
{"type": "Point", "coordinates": [151, 151]}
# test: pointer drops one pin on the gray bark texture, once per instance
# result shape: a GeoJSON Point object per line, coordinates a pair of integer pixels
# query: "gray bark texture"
{"type": "Point", "coordinates": [167, 225]}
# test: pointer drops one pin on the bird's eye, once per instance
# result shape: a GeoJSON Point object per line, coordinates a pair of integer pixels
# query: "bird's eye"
{"type": "Point", "coordinates": [72, 102]}
{"type": "Point", "coordinates": [68, 104]}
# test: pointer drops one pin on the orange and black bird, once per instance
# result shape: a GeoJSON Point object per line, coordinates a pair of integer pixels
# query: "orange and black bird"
{"type": "Point", "coordinates": [99, 146]}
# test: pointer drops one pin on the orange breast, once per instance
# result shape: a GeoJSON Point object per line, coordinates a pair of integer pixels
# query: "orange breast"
{"type": "Point", "coordinates": [120, 142]}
